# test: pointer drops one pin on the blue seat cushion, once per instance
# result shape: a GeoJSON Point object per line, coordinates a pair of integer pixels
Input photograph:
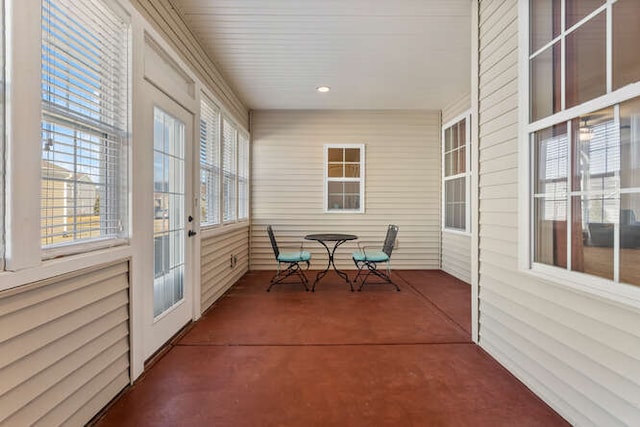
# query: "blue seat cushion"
{"type": "Point", "coordinates": [294, 256]}
{"type": "Point", "coordinates": [370, 256]}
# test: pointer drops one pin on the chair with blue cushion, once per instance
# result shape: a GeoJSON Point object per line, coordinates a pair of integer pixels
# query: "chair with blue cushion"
{"type": "Point", "coordinates": [367, 260]}
{"type": "Point", "coordinates": [291, 259]}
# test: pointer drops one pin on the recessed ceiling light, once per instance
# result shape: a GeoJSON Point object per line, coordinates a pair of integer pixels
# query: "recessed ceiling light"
{"type": "Point", "coordinates": [323, 89]}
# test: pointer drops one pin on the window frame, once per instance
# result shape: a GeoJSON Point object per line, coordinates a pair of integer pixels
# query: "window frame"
{"type": "Point", "coordinates": [609, 290]}
{"type": "Point", "coordinates": [115, 177]}
{"type": "Point", "coordinates": [233, 173]}
{"type": "Point", "coordinates": [243, 169]}
{"type": "Point", "coordinates": [466, 174]}
{"type": "Point", "coordinates": [327, 179]}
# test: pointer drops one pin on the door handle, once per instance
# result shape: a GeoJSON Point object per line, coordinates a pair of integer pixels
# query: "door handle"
{"type": "Point", "coordinates": [192, 233]}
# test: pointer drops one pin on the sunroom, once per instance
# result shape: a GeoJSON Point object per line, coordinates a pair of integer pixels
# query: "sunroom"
{"type": "Point", "coordinates": [148, 144]}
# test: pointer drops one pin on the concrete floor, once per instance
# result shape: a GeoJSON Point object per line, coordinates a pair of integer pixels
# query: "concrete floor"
{"type": "Point", "coordinates": [332, 358]}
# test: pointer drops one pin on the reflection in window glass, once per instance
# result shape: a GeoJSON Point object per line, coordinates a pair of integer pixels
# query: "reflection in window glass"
{"type": "Point", "coordinates": [544, 21]}
{"type": "Point", "coordinates": [630, 238]}
{"type": "Point", "coordinates": [551, 150]}
{"type": "Point", "coordinates": [630, 144]}
{"type": "Point", "coordinates": [586, 61]}
{"type": "Point", "coordinates": [546, 85]}
{"type": "Point", "coordinates": [592, 226]}
{"type": "Point", "coordinates": [579, 9]}
{"type": "Point", "coordinates": [626, 36]}
{"type": "Point", "coordinates": [550, 230]}
{"type": "Point", "coordinates": [550, 203]}
{"type": "Point", "coordinates": [596, 151]}
{"type": "Point", "coordinates": [455, 203]}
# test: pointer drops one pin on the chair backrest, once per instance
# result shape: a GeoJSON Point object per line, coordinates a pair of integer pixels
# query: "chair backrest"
{"type": "Point", "coordinates": [390, 240]}
{"type": "Point", "coordinates": [274, 244]}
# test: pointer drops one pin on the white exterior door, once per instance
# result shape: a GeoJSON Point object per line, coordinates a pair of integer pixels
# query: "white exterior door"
{"type": "Point", "coordinates": [170, 280]}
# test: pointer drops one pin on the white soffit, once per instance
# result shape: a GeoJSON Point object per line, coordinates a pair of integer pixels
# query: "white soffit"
{"type": "Point", "coordinates": [374, 54]}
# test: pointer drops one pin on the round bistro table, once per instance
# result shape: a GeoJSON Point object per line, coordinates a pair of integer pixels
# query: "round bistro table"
{"type": "Point", "coordinates": [339, 239]}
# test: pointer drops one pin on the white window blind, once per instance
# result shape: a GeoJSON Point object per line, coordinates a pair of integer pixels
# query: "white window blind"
{"type": "Point", "coordinates": [85, 120]}
{"type": "Point", "coordinates": [209, 164]}
{"type": "Point", "coordinates": [243, 176]}
{"type": "Point", "coordinates": [229, 149]}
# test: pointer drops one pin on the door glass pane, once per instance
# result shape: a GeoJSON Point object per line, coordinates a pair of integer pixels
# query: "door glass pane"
{"type": "Point", "coordinates": [586, 76]}
{"type": "Point", "coordinates": [626, 36]}
{"type": "Point", "coordinates": [169, 201]}
{"type": "Point", "coordinates": [630, 238]}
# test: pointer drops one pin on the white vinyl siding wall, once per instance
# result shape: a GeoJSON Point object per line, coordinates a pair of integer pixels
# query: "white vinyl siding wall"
{"type": "Point", "coordinates": [456, 247]}
{"type": "Point", "coordinates": [219, 269]}
{"type": "Point", "coordinates": [163, 16]}
{"type": "Point", "coordinates": [580, 353]}
{"type": "Point", "coordinates": [402, 183]}
{"type": "Point", "coordinates": [67, 354]}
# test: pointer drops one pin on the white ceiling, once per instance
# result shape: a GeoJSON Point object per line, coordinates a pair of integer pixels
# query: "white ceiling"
{"type": "Point", "coordinates": [374, 54]}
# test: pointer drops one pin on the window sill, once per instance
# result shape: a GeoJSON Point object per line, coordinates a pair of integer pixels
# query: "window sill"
{"type": "Point", "coordinates": [63, 265]}
{"type": "Point", "coordinates": [603, 289]}
{"type": "Point", "coordinates": [458, 232]}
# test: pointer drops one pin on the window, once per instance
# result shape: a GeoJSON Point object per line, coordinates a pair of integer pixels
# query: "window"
{"type": "Point", "coordinates": [229, 152]}
{"type": "Point", "coordinates": [84, 123]}
{"type": "Point", "coordinates": [2, 133]}
{"type": "Point", "coordinates": [456, 175]}
{"type": "Point", "coordinates": [209, 164]}
{"type": "Point", "coordinates": [584, 137]}
{"type": "Point", "coordinates": [243, 176]}
{"type": "Point", "coordinates": [344, 178]}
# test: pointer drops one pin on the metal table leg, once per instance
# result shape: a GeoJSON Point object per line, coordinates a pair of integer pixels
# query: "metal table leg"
{"type": "Point", "coordinates": [331, 262]}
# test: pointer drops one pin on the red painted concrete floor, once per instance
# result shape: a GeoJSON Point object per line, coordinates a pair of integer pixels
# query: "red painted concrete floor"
{"type": "Point", "coordinates": [332, 358]}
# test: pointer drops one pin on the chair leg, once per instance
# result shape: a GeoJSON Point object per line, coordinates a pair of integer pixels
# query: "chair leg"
{"type": "Point", "coordinates": [372, 268]}
{"type": "Point", "coordinates": [292, 268]}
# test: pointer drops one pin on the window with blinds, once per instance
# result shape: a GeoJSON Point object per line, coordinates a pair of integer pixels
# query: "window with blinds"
{"type": "Point", "coordinates": [243, 176]}
{"type": "Point", "coordinates": [209, 164]}
{"type": "Point", "coordinates": [2, 158]}
{"type": "Point", "coordinates": [85, 70]}
{"type": "Point", "coordinates": [455, 180]}
{"type": "Point", "coordinates": [229, 151]}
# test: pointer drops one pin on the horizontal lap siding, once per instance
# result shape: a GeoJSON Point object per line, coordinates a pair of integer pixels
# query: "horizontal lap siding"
{"type": "Point", "coordinates": [162, 14]}
{"type": "Point", "coordinates": [456, 248]}
{"type": "Point", "coordinates": [580, 353]}
{"type": "Point", "coordinates": [64, 346]}
{"type": "Point", "coordinates": [402, 183]}
{"type": "Point", "coordinates": [216, 273]}
{"type": "Point", "coordinates": [456, 255]}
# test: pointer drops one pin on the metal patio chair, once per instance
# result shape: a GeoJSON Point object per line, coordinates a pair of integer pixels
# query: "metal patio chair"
{"type": "Point", "coordinates": [292, 260]}
{"type": "Point", "coordinates": [367, 260]}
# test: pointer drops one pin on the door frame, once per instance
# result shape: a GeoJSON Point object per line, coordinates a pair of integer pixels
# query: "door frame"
{"type": "Point", "coordinates": [142, 273]}
{"type": "Point", "coordinates": [158, 331]}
